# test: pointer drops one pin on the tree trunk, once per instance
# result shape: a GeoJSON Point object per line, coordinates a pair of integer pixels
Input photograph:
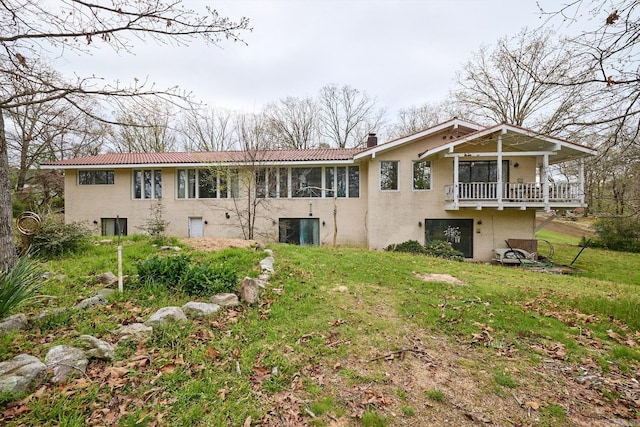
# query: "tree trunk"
{"type": "Point", "coordinates": [8, 256]}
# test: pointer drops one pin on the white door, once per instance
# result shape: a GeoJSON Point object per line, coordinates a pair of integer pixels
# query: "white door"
{"type": "Point", "coordinates": [195, 226]}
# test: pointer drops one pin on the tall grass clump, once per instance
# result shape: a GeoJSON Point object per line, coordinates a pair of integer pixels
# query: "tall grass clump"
{"type": "Point", "coordinates": [19, 284]}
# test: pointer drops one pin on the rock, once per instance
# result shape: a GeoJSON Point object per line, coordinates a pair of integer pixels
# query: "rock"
{"type": "Point", "coordinates": [166, 315]}
{"type": "Point", "coordinates": [91, 302]}
{"type": "Point", "coordinates": [14, 323]}
{"type": "Point", "coordinates": [249, 290]}
{"type": "Point", "coordinates": [107, 278]}
{"type": "Point", "coordinates": [24, 372]}
{"type": "Point", "coordinates": [269, 252]}
{"type": "Point", "coordinates": [106, 292]}
{"type": "Point", "coordinates": [341, 288]}
{"type": "Point", "coordinates": [266, 265]}
{"type": "Point", "coordinates": [66, 362]}
{"type": "Point", "coordinates": [170, 248]}
{"type": "Point", "coordinates": [134, 332]}
{"type": "Point", "coordinates": [225, 300]}
{"type": "Point", "coordinates": [199, 309]}
{"type": "Point", "coordinates": [265, 277]}
{"type": "Point", "coordinates": [93, 347]}
{"type": "Point", "coordinates": [49, 313]}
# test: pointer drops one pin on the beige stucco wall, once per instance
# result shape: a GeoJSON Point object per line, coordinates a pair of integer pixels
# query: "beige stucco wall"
{"type": "Point", "coordinates": [397, 216]}
{"type": "Point", "coordinates": [89, 203]}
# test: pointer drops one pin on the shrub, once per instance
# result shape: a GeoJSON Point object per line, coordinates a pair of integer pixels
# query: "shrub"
{"type": "Point", "coordinates": [19, 284]}
{"type": "Point", "coordinates": [167, 271]}
{"type": "Point", "coordinates": [618, 234]}
{"type": "Point", "coordinates": [207, 280]}
{"type": "Point", "coordinates": [54, 238]}
{"type": "Point", "coordinates": [442, 249]}
{"type": "Point", "coordinates": [410, 246]}
{"type": "Point", "coordinates": [438, 249]}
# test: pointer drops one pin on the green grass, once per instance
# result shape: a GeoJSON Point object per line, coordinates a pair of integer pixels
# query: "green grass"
{"type": "Point", "coordinates": [317, 352]}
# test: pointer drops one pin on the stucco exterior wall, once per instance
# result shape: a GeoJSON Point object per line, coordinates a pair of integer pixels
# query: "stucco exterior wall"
{"type": "Point", "coordinates": [90, 203]}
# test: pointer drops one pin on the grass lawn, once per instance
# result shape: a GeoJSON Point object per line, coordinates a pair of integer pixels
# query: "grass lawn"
{"type": "Point", "coordinates": [349, 337]}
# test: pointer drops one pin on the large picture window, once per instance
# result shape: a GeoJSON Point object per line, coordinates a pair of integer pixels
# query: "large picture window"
{"type": "Point", "coordinates": [482, 171]}
{"type": "Point", "coordinates": [422, 175]}
{"type": "Point", "coordinates": [299, 231]}
{"type": "Point", "coordinates": [343, 181]}
{"type": "Point", "coordinates": [389, 175]}
{"type": "Point", "coordinates": [207, 183]}
{"type": "Point", "coordinates": [147, 184]}
{"type": "Point", "coordinates": [306, 182]}
{"type": "Point", "coordinates": [96, 177]}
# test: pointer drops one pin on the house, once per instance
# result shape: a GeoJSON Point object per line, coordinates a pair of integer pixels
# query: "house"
{"type": "Point", "coordinates": [471, 185]}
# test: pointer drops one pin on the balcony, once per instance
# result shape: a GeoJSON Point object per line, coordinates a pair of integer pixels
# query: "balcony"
{"type": "Point", "coordinates": [527, 195]}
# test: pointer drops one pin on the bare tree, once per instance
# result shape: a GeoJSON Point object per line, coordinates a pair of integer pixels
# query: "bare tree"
{"type": "Point", "coordinates": [207, 129]}
{"type": "Point", "coordinates": [348, 115]}
{"type": "Point", "coordinates": [606, 63]}
{"type": "Point", "coordinates": [144, 131]}
{"type": "Point", "coordinates": [33, 29]}
{"type": "Point", "coordinates": [414, 119]}
{"type": "Point", "coordinates": [505, 84]}
{"type": "Point", "coordinates": [293, 122]}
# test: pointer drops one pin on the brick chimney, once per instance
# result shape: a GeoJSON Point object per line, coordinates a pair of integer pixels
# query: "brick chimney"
{"type": "Point", "coordinates": [372, 140]}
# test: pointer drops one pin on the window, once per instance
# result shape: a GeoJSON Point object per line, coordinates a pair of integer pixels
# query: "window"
{"type": "Point", "coordinates": [283, 182]}
{"type": "Point", "coordinates": [344, 181]}
{"type": "Point", "coordinates": [482, 171]}
{"type": "Point", "coordinates": [299, 231]}
{"type": "Point", "coordinates": [457, 232]}
{"type": "Point", "coordinates": [96, 177]}
{"type": "Point", "coordinates": [113, 226]}
{"type": "Point", "coordinates": [261, 183]}
{"type": "Point", "coordinates": [306, 182]}
{"type": "Point", "coordinates": [207, 183]}
{"type": "Point", "coordinates": [147, 184]}
{"type": "Point", "coordinates": [422, 175]}
{"type": "Point", "coordinates": [389, 175]}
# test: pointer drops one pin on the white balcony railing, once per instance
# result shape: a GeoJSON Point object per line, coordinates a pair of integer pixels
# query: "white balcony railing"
{"type": "Point", "coordinates": [514, 192]}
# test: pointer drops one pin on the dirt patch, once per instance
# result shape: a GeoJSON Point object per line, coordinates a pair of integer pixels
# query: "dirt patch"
{"type": "Point", "coordinates": [216, 244]}
{"type": "Point", "coordinates": [443, 278]}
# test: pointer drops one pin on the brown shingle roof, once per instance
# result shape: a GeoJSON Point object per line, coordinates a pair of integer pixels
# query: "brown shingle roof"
{"type": "Point", "coordinates": [113, 159]}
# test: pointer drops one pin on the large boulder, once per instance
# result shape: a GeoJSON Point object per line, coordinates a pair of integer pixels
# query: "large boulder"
{"type": "Point", "coordinates": [66, 362]}
{"type": "Point", "coordinates": [199, 309]}
{"type": "Point", "coordinates": [107, 278]}
{"type": "Point", "coordinates": [166, 315]}
{"type": "Point", "coordinates": [24, 372]}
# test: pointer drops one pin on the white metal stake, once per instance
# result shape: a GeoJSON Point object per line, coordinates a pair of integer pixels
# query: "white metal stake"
{"type": "Point", "coordinates": [120, 287]}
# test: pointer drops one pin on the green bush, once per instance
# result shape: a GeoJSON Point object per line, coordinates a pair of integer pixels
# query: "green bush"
{"type": "Point", "coordinates": [410, 246]}
{"type": "Point", "coordinates": [19, 284]}
{"type": "Point", "coordinates": [167, 271]}
{"type": "Point", "coordinates": [177, 272]}
{"type": "Point", "coordinates": [618, 234]}
{"type": "Point", "coordinates": [438, 249]}
{"type": "Point", "coordinates": [442, 249]}
{"type": "Point", "coordinates": [207, 280]}
{"type": "Point", "coordinates": [54, 238]}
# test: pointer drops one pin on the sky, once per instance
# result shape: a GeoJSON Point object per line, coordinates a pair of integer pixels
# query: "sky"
{"type": "Point", "coordinates": [404, 53]}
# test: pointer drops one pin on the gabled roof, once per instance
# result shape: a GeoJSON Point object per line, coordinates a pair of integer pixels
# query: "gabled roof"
{"type": "Point", "coordinates": [123, 160]}
{"type": "Point", "coordinates": [453, 123]}
{"type": "Point", "coordinates": [518, 139]}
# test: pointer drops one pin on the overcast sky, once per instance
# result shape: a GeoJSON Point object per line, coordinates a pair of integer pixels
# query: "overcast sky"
{"type": "Point", "coordinates": [402, 52]}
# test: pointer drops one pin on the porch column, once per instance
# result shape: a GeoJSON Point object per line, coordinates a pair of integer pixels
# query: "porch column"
{"type": "Point", "coordinates": [499, 183]}
{"type": "Point", "coordinates": [545, 181]}
{"type": "Point", "coordinates": [456, 189]}
{"type": "Point", "coordinates": [581, 181]}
